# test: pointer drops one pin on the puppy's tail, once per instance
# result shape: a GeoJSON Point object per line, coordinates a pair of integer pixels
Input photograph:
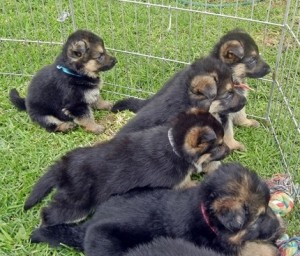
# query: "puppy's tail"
{"type": "Point", "coordinates": [131, 104]}
{"type": "Point", "coordinates": [68, 234]}
{"type": "Point", "coordinates": [44, 186]}
{"type": "Point", "coordinates": [16, 100]}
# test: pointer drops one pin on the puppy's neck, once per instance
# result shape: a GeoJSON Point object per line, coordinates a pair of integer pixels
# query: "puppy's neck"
{"type": "Point", "coordinates": [68, 71]}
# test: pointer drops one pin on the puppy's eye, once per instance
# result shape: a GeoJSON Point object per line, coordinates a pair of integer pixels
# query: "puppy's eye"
{"type": "Point", "coordinates": [252, 61]}
{"type": "Point", "coordinates": [101, 57]}
{"type": "Point", "coordinates": [228, 95]}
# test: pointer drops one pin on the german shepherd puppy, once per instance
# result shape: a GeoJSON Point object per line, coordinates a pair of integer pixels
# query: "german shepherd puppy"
{"type": "Point", "coordinates": [178, 247]}
{"type": "Point", "coordinates": [237, 50]}
{"type": "Point", "coordinates": [206, 84]}
{"type": "Point", "coordinates": [222, 213]}
{"type": "Point", "coordinates": [63, 94]}
{"type": "Point", "coordinates": [159, 157]}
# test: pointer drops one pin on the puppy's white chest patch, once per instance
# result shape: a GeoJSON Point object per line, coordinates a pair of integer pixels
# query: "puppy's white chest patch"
{"type": "Point", "coordinates": [91, 96]}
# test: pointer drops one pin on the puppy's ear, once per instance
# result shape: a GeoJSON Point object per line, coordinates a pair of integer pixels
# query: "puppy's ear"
{"type": "Point", "coordinates": [77, 49]}
{"type": "Point", "coordinates": [198, 139]}
{"type": "Point", "coordinates": [232, 51]}
{"type": "Point", "coordinates": [231, 213]}
{"type": "Point", "coordinates": [205, 85]}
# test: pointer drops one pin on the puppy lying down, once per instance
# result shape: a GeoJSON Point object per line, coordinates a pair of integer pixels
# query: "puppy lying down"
{"type": "Point", "coordinates": [162, 156]}
{"type": "Point", "coordinates": [227, 210]}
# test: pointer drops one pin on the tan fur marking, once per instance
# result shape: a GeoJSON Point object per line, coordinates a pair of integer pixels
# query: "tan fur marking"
{"type": "Point", "coordinates": [239, 72]}
{"type": "Point", "coordinates": [100, 49]}
{"type": "Point", "coordinates": [237, 239]}
{"type": "Point", "coordinates": [215, 107]}
{"type": "Point", "coordinates": [102, 104]}
{"type": "Point", "coordinates": [225, 55]}
{"type": "Point", "coordinates": [258, 249]}
{"type": "Point", "coordinates": [200, 84]}
{"type": "Point", "coordinates": [226, 203]}
{"type": "Point", "coordinates": [89, 123]}
{"type": "Point", "coordinates": [91, 68]}
{"type": "Point", "coordinates": [191, 140]}
{"type": "Point", "coordinates": [187, 182]}
{"type": "Point", "coordinates": [61, 126]}
{"type": "Point", "coordinates": [228, 86]}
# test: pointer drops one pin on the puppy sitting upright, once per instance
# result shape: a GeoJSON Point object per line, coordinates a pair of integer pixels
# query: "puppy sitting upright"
{"type": "Point", "coordinates": [157, 157]}
{"type": "Point", "coordinates": [239, 51]}
{"type": "Point", "coordinates": [63, 94]}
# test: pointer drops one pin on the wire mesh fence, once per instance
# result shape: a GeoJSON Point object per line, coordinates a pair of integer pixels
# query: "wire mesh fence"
{"type": "Point", "coordinates": [153, 39]}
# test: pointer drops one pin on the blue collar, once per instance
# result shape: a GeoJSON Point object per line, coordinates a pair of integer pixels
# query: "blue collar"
{"type": "Point", "coordinates": [67, 71]}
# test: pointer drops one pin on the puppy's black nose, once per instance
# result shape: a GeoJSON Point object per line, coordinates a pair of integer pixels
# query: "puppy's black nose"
{"type": "Point", "coordinates": [114, 61]}
{"type": "Point", "coordinates": [267, 69]}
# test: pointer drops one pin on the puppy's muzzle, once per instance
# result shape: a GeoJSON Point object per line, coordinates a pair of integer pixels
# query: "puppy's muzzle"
{"type": "Point", "coordinates": [260, 71]}
{"type": "Point", "coordinates": [110, 64]}
{"type": "Point", "coordinates": [220, 152]}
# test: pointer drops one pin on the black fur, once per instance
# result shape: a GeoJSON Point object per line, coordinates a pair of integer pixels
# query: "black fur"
{"type": "Point", "coordinates": [138, 217]}
{"type": "Point", "coordinates": [178, 95]}
{"type": "Point", "coordinates": [86, 177]}
{"type": "Point", "coordinates": [55, 99]}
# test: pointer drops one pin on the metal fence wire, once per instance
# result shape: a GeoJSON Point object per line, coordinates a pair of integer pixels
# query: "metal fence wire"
{"type": "Point", "coordinates": [153, 39]}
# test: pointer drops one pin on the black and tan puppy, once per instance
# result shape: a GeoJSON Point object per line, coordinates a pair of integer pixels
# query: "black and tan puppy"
{"type": "Point", "coordinates": [157, 157]}
{"type": "Point", "coordinates": [222, 213]}
{"type": "Point", "coordinates": [63, 94]}
{"type": "Point", "coordinates": [206, 84]}
{"type": "Point", "coordinates": [237, 50]}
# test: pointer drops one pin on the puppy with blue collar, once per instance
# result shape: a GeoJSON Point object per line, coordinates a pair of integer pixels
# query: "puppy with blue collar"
{"type": "Point", "coordinates": [63, 94]}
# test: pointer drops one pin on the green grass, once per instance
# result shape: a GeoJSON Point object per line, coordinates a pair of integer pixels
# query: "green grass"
{"type": "Point", "coordinates": [26, 149]}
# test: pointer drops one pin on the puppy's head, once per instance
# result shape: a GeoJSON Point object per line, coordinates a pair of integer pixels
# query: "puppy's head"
{"type": "Point", "coordinates": [198, 137]}
{"type": "Point", "coordinates": [238, 50]}
{"type": "Point", "coordinates": [237, 205]}
{"type": "Point", "coordinates": [85, 53]}
{"type": "Point", "coordinates": [212, 89]}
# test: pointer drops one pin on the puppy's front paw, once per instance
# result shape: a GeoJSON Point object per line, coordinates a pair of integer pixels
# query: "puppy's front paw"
{"type": "Point", "coordinates": [96, 128]}
{"type": "Point", "coordinates": [235, 145]}
{"type": "Point", "coordinates": [248, 123]}
{"type": "Point", "coordinates": [65, 126]}
{"type": "Point", "coordinates": [102, 104]}
{"type": "Point", "coordinates": [253, 123]}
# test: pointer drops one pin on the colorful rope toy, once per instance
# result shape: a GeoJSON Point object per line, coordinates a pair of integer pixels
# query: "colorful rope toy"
{"type": "Point", "coordinates": [283, 193]}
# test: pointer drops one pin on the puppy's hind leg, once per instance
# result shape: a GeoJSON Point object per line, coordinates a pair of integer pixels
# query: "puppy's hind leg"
{"type": "Point", "coordinates": [113, 238]}
{"type": "Point", "coordinates": [60, 213]}
{"type": "Point", "coordinates": [229, 139]}
{"type": "Point", "coordinates": [53, 124]}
